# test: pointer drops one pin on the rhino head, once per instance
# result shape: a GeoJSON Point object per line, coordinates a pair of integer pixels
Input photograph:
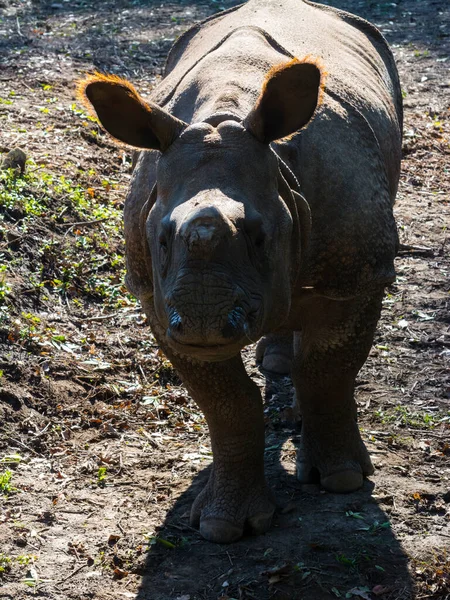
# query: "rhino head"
{"type": "Point", "coordinates": [223, 230]}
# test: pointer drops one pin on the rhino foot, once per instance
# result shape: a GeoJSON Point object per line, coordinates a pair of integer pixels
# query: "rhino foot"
{"type": "Point", "coordinates": [339, 460]}
{"type": "Point", "coordinates": [274, 353]}
{"type": "Point", "coordinates": [222, 519]}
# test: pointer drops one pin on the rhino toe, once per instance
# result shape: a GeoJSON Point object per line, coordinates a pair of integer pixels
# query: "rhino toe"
{"type": "Point", "coordinates": [220, 531]}
{"type": "Point", "coordinates": [274, 352]}
{"type": "Point", "coordinates": [343, 482]}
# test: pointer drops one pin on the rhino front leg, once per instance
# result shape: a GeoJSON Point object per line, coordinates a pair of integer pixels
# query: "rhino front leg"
{"type": "Point", "coordinates": [236, 496]}
{"type": "Point", "coordinates": [335, 341]}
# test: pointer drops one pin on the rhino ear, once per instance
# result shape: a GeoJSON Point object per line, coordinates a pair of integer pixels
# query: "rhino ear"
{"type": "Point", "coordinates": [125, 115]}
{"type": "Point", "coordinates": [289, 97]}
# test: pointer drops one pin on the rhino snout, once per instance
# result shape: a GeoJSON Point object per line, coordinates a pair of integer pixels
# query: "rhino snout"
{"type": "Point", "coordinates": [208, 332]}
{"type": "Point", "coordinates": [203, 230]}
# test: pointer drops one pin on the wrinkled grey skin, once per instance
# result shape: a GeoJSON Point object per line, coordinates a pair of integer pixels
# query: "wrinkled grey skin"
{"type": "Point", "coordinates": [222, 250]}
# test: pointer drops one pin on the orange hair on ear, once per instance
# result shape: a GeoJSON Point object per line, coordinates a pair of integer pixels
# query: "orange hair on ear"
{"type": "Point", "coordinates": [100, 77]}
{"type": "Point", "coordinates": [280, 68]}
{"type": "Point", "coordinates": [308, 59]}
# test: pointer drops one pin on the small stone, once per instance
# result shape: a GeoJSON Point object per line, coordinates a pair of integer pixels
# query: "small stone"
{"type": "Point", "coordinates": [311, 488]}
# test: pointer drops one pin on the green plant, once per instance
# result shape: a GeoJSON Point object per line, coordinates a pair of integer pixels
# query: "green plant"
{"type": "Point", "coordinates": [177, 542]}
{"type": "Point", "coordinates": [101, 476]}
{"type": "Point", "coordinates": [5, 288]}
{"type": "Point", "coordinates": [5, 563]}
{"type": "Point", "coordinates": [376, 527]}
{"type": "Point", "coordinates": [26, 559]}
{"type": "Point", "coordinates": [5, 482]}
{"type": "Point", "coordinates": [11, 459]}
{"type": "Point", "coordinates": [346, 560]}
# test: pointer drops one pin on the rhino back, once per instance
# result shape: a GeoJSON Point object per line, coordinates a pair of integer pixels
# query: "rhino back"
{"type": "Point", "coordinates": [347, 159]}
{"type": "Point", "coordinates": [356, 57]}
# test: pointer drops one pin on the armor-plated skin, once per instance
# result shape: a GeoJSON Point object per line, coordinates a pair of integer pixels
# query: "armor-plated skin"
{"type": "Point", "coordinates": [264, 205]}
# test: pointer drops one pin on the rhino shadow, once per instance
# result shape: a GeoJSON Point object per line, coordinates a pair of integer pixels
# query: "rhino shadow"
{"type": "Point", "coordinates": [320, 545]}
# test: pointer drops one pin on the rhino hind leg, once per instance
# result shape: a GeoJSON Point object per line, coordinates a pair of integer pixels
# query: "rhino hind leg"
{"type": "Point", "coordinates": [336, 339]}
{"type": "Point", "coordinates": [275, 353]}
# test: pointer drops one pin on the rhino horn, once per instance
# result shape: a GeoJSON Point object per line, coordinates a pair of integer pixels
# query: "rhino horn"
{"type": "Point", "coordinates": [126, 116]}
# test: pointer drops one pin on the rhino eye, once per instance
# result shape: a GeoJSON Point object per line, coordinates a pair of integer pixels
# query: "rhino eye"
{"type": "Point", "coordinates": [255, 230]}
{"type": "Point", "coordinates": [260, 239]}
{"type": "Point", "coordinates": [162, 246]}
{"type": "Point", "coordinates": [163, 241]}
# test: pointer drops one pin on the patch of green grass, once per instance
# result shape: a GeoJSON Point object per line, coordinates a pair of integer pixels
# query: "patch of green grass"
{"type": "Point", "coordinates": [26, 559]}
{"type": "Point", "coordinates": [5, 288]}
{"type": "Point", "coordinates": [404, 417]}
{"type": "Point", "coordinates": [5, 482]}
{"type": "Point", "coordinates": [78, 253]}
{"type": "Point", "coordinates": [5, 563]}
{"type": "Point", "coordinates": [19, 193]}
{"type": "Point", "coordinates": [400, 441]}
{"type": "Point", "coordinates": [35, 192]}
{"type": "Point", "coordinates": [79, 112]}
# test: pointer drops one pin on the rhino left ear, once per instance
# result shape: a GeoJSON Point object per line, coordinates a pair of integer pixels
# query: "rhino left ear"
{"type": "Point", "coordinates": [289, 97]}
{"type": "Point", "coordinates": [125, 115]}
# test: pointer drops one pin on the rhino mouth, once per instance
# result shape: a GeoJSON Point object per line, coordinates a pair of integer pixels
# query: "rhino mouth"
{"type": "Point", "coordinates": [218, 350]}
{"type": "Point", "coordinates": [205, 353]}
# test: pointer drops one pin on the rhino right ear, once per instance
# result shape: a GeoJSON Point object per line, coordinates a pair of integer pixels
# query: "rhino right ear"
{"type": "Point", "coordinates": [125, 115]}
{"type": "Point", "coordinates": [290, 95]}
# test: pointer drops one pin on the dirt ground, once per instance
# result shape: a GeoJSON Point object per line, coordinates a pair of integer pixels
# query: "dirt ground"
{"type": "Point", "coordinates": [101, 449]}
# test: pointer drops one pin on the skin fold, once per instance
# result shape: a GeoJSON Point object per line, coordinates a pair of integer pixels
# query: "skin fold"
{"type": "Point", "coordinates": [260, 208]}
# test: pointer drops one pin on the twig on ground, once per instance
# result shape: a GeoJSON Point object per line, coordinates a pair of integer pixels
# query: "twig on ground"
{"type": "Point", "coordinates": [99, 318]}
{"type": "Point", "coordinates": [19, 31]}
{"type": "Point", "coordinates": [415, 250]}
{"type": "Point", "coordinates": [77, 570]}
{"type": "Point", "coordinates": [80, 223]}
{"type": "Point", "coordinates": [119, 525]}
{"type": "Point", "coordinates": [14, 441]}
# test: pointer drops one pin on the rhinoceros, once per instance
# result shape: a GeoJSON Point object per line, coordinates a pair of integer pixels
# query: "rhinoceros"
{"type": "Point", "coordinates": [261, 208]}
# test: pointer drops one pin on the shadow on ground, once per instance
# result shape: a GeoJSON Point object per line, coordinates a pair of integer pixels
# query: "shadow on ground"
{"type": "Point", "coordinates": [320, 545]}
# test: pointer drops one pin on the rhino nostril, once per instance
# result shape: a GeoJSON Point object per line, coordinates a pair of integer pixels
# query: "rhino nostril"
{"type": "Point", "coordinates": [162, 239]}
{"type": "Point", "coordinates": [175, 322]}
{"type": "Point", "coordinates": [235, 323]}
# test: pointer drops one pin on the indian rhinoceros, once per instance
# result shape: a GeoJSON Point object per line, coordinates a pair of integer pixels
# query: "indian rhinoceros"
{"type": "Point", "coordinates": [262, 206]}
